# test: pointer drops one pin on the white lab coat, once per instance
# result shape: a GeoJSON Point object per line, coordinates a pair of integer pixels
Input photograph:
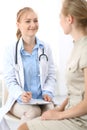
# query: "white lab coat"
{"type": "Point", "coordinates": [14, 76]}
{"type": "Point", "coordinates": [4, 125]}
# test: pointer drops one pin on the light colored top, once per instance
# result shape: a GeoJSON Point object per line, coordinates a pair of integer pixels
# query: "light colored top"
{"type": "Point", "coordinates": [75, 76]}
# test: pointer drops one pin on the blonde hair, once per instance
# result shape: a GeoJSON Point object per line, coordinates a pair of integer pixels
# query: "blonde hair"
{"type": "Point", "coordinates": [19, 14]}
{"type": "Point", "coordinates": [77, 9]}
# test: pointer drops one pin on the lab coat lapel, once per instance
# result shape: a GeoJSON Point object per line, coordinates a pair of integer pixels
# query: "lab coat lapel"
{"type": "Point", "coordinates": [21, 73]}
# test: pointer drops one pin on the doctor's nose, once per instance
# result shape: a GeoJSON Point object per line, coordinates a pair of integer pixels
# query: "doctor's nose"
{"type": "Point", "coordinates": [33, 24]}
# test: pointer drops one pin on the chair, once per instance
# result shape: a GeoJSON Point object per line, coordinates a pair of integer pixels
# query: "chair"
{"type": "Point", "coordinates": [4, 98]}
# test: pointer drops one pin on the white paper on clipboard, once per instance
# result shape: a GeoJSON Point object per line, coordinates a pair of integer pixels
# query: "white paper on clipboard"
{"type": "Point", "coordinates": [36, 101]}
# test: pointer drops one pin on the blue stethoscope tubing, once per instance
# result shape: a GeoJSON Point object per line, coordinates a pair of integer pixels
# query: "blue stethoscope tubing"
{"type": "Point", "coordinates": [16, 53]}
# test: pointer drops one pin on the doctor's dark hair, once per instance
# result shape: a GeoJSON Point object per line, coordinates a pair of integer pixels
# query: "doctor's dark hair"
{"type": "Point", "coordinates": [19, 15]}
{"type": "Point", "coordinates": [77, 9]}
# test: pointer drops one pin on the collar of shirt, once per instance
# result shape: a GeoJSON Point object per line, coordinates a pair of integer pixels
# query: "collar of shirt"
{"type": "Point", "coordinates": [38, 45]}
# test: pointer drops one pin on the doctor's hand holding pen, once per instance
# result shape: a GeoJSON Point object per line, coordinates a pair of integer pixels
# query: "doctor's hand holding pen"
{"type": "Point", "coordinates": [26, 96]}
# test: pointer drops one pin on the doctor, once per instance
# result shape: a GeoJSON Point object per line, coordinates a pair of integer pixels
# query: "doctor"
{"type": "Point", "coordinates": [29, 71]}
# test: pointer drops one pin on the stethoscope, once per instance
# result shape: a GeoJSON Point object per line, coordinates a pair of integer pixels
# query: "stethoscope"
{"type": "Point", "coordinates": [16, 54]}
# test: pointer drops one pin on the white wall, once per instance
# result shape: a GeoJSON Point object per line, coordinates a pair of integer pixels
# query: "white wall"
{"type": "Point", "coordinates": [49, 31]}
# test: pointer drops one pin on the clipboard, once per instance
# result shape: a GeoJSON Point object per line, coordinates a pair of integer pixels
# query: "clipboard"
{"type": "Point", "coordinates": [36, 102]}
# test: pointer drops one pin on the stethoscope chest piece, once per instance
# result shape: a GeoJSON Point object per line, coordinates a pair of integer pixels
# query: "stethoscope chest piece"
{"type": "Point", "coordinates": [43, 55]}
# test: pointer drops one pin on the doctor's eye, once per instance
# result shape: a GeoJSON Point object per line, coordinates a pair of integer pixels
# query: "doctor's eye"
{"type": "Point", "coordinates": [35, 19]}
{"type": "Point", "coordinates": [28, 21]}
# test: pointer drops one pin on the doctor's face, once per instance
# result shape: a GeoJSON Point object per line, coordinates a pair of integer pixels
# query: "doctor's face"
{"type": "Point", "coordinates": [28, 24]}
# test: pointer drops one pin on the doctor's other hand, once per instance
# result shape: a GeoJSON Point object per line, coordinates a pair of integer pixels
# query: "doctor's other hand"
{"type": "Point", "coordinates": [26, 97]}
{"type": "Point", "coordinates": [47, 98]}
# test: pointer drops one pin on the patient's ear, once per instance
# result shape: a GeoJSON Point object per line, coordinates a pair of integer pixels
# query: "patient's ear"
{"type": "Point", "coordinates": [70, 19]}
